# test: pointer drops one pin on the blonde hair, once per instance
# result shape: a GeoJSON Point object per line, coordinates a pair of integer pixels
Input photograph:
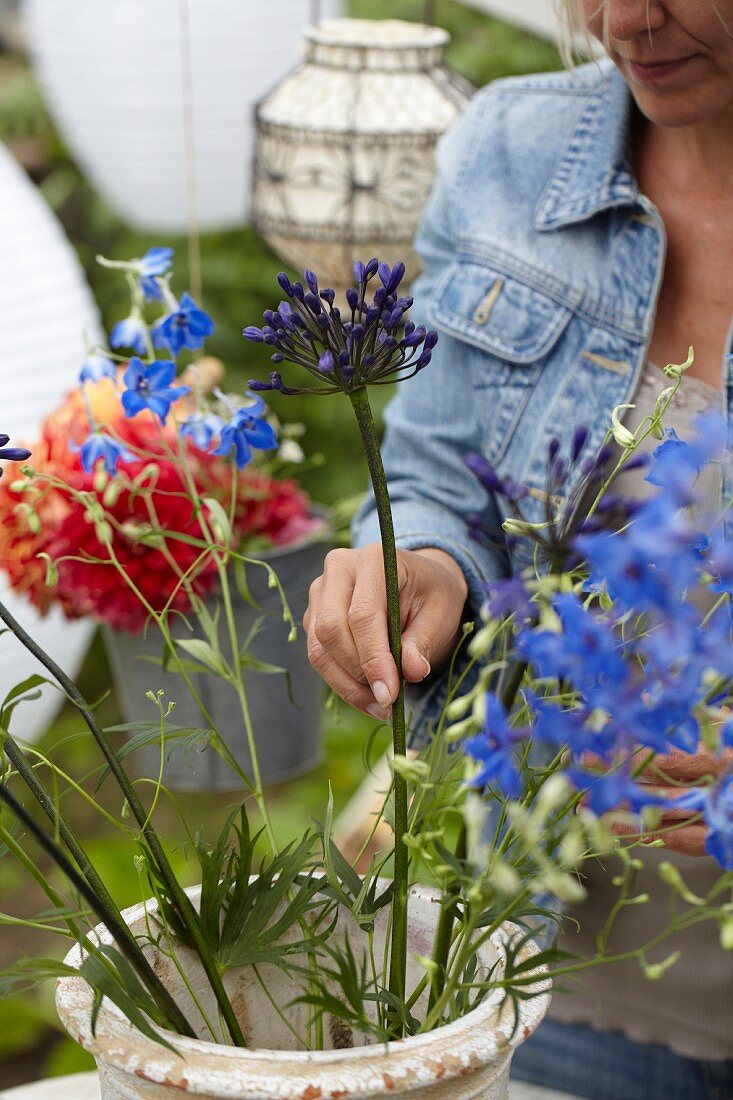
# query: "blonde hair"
{"type": "Point", "coordinates": [574, 39]}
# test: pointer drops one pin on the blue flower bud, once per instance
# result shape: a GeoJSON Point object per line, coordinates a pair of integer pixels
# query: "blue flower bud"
{"type": "Point", "coordinates": [371, 315]}
{"type": "Point", "coordinates": [322, 320]}
{"type": "Point", "coordinates": [485, 472]}
{"type": "Point", "coordinates": [580, 437]}
{"type": "Point", "coordinates": [254, 334]}
{"type": "Point", "coordinates": [311, 280]}
{"type": "Point", "coordinates": [269, 317]}
{"type": "Point", "coordinates": [277, 357]}
{"type": "Point", "coordinates": [431, 339]}
{"type": "Point", "coordinates": [328, 295]}
{"type": "Point", "coordinates": [343, 359]}
{"type": "Point", "coordinates": [394, 318]}
{"type": "Point", "coordinates": [352, 297]}
{"type": "Point", "coordinates": [359, 271]}
{"type": "Point", "coordinates": [371, 268]}
{"type": "Point", "coordinates": [409, 328]}
{"type": "Point", "coordinates": [256, 386]}
{"type": "Point", "coordinates": [347, 372]}
{"type": "Point", "coordinates": [285, 283]}
{"type": "Point", "coordinates": [326, 363]}
{"type": "Point", "coordinates": [357, 332]}
{"type": "Point", "coordinates": [298, 292]}
{"type": "Point", "coordinates": [379, 296]}
{"type": "Point", "coordinates": [313, 303]}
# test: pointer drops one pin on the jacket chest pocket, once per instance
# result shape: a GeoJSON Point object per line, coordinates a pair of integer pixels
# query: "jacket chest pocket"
{"type": "Point", "coordinates": [509, 331]}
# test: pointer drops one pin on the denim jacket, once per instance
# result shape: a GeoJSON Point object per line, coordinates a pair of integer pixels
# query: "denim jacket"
{"type": "Point", "coordinates": [542, 266]}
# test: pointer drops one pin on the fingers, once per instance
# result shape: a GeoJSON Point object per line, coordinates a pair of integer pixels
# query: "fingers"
{"type": "Point", "coordinates": [685, 767]}
{"type": "Point", "coordinates": [346, 622]}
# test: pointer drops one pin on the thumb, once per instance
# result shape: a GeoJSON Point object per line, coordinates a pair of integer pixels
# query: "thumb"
{"type": "Point", "coordinates": [415, 659]}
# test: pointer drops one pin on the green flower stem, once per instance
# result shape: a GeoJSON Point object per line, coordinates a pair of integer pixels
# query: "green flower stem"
{"type": "Point", "coordinates": [398, 944]}
{"type": "Point", "coordinates": [119, 929]}
{"type": "Point", "coordinates": [444, 932]}
{"type": "Point", "coordinates": [186, 911]}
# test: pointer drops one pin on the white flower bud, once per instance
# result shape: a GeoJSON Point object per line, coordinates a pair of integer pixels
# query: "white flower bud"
{"type": "Point", "coordinates": [676, 370]}
{"type": "Point", "coordinates": [619, 431]}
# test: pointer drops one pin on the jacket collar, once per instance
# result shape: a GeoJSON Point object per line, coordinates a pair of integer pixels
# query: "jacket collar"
{"type": "Point", "coordinates": [594, 172]}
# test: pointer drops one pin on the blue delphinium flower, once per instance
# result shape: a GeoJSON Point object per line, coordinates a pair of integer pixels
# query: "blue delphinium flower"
{"type": "Point", "coordinates": [11, 454]}
{"type": "Point", "coordinates": [148, 386]}
{"type": "Point", "coordinates": [368, 344]}
{"type": "Point", "coordinates": [130, 333]}
{"type": "Point", "coordinates": [98, 445]}
{"type": "Point", "coordinates": [202, 429]}
{"type": "Point", "coordinates": [186, 327]}
{"type": "Point", "coordinates": [612, 790]}
{"type": "Point", "coordinates": [244, 431]}
{"type": "Point", "coordinates": [97, 366]}
{"type": "Point", "coordinates": [495, 750]}
{"type": "Point", "coordinates": [155, 262]}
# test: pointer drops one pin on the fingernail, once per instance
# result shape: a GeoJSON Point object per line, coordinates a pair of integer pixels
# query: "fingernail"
{"type": "Point", "coordinates": [426, 664]}
{"type": "Point", "coordinates": [378, 712]}
{"type": "Point", "coordinates": [381, 693]}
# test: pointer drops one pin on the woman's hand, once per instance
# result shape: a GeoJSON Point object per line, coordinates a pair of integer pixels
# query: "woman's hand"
{"type": "Point", "coordinates": [665, 774]}
{"type": "Point", "coordinates": [346, 622]}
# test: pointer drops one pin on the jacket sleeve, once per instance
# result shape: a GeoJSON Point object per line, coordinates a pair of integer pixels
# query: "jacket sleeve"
{"type": "Point", "coordinates": [432, 423]}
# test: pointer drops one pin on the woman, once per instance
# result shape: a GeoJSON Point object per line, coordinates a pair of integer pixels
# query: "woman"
{"type": "Point", "coordinates": [580, 232]}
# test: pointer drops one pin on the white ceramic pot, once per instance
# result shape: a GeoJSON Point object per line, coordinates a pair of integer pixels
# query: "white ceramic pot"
{"type": "Point", "coordinates": [345, 154]}
{"type": "Point", "coordinates": [467, 1058]}
{"type": "Point", "coordinates": [144, 133]}
{"type": "Point", "coordinates": [46, 309]}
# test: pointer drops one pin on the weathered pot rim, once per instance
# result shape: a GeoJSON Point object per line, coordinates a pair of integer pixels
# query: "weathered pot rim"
{"type": "Point", "coordinates": [212, 1069]}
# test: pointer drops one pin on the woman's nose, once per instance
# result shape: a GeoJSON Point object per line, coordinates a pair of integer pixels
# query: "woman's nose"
{"type": "Point", "coordinates": [626, 19]}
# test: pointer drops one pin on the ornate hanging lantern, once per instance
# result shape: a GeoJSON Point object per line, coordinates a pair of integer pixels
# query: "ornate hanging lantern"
{"type": "Point", "coordinates": [345, 145]}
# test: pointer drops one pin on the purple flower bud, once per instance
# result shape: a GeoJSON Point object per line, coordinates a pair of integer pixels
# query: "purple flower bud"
{"type": "Point", "coordinates": [431, 339]}
{"type": "Point", "coordinates": [276, 380]}
{"type": "Point", "coordinates": [485, 472]}
{"type": "Point", "coordinates": [343, 359]}
{"type": "Point", "coordinates": [413, 339]}
{"type": "Point", "coordinates": [322, 320]}
{"type": "Point", "coordinates": [368, 361]}
{"type": "Point", "coordinates": [298, 321]}
{"type": "Point", "coordinates": [336, 314]}
{"type": "Point", "coordinates": [311, 280]}
{"type": "Point", "coordinates": [394, 318]}
{"type": "Point", "coordinates": [277, 357]}
{"type": "Point", "coordinates": [385, 273]}
{"type": "Point", "coordinates": [553, 449]}
{"type": "Point", "coordinates": [357, 332]}
{"type": "Point", "coordinates": [269, 337]}
{"type": "Point", "coordinates": [359, 271]}
{"type": "Point", "coordinates": [313, 303]}
{"type": "Point", "coordinates": [580, 437]}
{"type": "Point", "coordinates": [371, 315]}
{"type": "Point", "coordinates": [285, 283]}
{"type": "Point", "coordinates": [423, 361]}
{"type": "Point", "coordinates": [270, 317]}
{"type": "Point", "coordinates": [352, 297]}
{"type": "Point", "coordinates": [326, 363]}
{"type": "Point", "coordinates": [298, 292]}
{"type": "Point", "coordinates": [409, 328]}
{"type": "Point", "coordinates": [256, 386]}
{"type": "Point", "coordinates": [371, 268]}
{"type": "Point", "coordinates": [405, 303]}
{"type": "Point", "coordinates": [254, 334]}
{"type": "Point", "coordinates": [328, 295]}
{"type": "Point", "coordinates": [379, 296]}
{"type": "Point", "coordinates": [347, 372]}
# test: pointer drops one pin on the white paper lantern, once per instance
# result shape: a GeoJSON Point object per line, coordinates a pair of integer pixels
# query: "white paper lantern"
{"type": "Point", "coordinates": [117, 83]}
{"type": "Point", "coordinates": [45, 309]}
{"type": "Point", "coordinates": [345, 153]}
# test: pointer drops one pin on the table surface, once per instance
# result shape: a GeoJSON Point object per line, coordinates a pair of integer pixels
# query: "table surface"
{"type": "Point", "coordinates": [85, 1086]}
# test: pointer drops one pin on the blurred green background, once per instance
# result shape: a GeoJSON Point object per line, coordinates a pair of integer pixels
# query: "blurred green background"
{"type": "Point", "coordinates": [238, 279]}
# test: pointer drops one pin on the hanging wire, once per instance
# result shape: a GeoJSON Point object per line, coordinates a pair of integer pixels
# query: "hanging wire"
{"type": "Point", "coordinates": [189, 138]}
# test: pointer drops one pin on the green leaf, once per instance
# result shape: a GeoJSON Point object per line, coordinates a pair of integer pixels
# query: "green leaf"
{"type": "Point", "coordinates": [221, 527]}
{"type": "Point", "coordinates": [202, 652]}
{"type": "Point", "coordinates": [21, 693]}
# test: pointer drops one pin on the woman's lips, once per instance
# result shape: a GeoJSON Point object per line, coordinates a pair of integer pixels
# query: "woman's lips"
{"type": "Point", "coordinates": [651, 72]}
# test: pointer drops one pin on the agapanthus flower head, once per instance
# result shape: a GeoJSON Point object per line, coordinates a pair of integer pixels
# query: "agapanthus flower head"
{"type": "Point", "coordinates": [11, 454]}
{"type": "Point", "coordinates": [148, 386]}
{"type": "Point", "coordinates": [186, 327]}
{"type": "Point", "coordinates": [367, 343]}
